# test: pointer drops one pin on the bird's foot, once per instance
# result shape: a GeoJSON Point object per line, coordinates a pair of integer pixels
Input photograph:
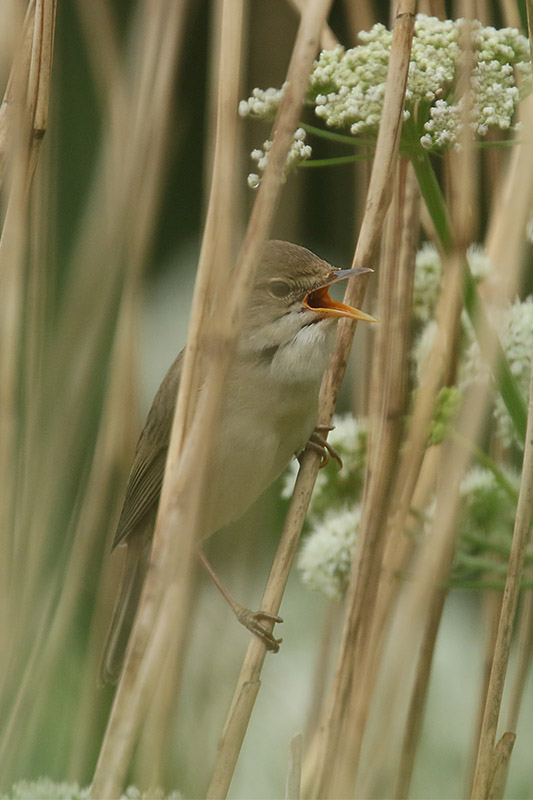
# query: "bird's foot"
{"type": "Point", "coordinates": [318, 443]}
{"type": "Point", "coordinates": [252, 620]}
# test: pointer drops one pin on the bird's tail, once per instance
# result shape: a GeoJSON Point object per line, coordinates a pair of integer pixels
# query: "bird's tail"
{"type": "Point", "coordinates": [131, 583]}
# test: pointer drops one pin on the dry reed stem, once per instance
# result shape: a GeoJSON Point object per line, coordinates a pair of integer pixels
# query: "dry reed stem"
{"type": "Point", "coordinates": [484, 770]}
{"type": "Point", "coordinates": [419, 597]}
{"type": "Point", "coordinates": [415, 718]}
{"type": "Point", "coordinates": [361, 16]}
{"type": "Point", "coordinates": [172, 555]}
{"type": "Point", "coordinates": [491, 608]}
{"type": "Point", "coordinates": [502, 757]}
{"type": "Point", "coordinates": [429, 604]}
{"type": "Point", "coordinates": [505, 240]}
{"type": "Point", "coordinates": [328, 40]}
{"type": "Point", "coordinates": [388, 405]}
{"type": "Point", "coordinates": [524, 658]}
{"type": "Point", "coordinates": [248, 684]}
{"type": "Point", "coordinates": [142, 662]}
{"type": "Point", "coordinates": [123, 202]}
{"type": "Point", "coordinates": [23, 126]}
{"type": "Point", "coordinates": [377, 203]}
{"type": "Point", "coordinates": [294, 772]}
{"type": "Point", "coordinates": [462, 207]}
{"type": "Point", "coordinates": [228, 45]}
{"type": "Point", "coordinates": [58, 446]}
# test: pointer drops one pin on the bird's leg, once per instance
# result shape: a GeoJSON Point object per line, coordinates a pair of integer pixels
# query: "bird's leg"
{"type": "Point", "coordinates": [318, 443]}
{"type": "Point", "coordinates": [250, 619]}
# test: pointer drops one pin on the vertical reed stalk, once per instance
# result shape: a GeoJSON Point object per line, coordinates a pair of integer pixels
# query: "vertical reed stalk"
{"type": "Point", "coordinates": [330, 737]}
{"type": "Point", "coordinates": [169, 577]}
{"type": "Point", "coordinates": [486, 763]}
{"type": "Point", "coordinates": [248, 684]}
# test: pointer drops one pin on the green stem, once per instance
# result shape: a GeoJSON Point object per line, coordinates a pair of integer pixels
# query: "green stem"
{"type": "Point", "coordinates": [337, 137]}
{"type": "Point", "coordinates": [332, 162]}
{"type": "Point", "coordinates": [487, 338]}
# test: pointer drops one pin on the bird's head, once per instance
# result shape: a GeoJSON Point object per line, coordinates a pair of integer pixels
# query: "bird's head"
{"type": "Point", "coordinates": [290, 301]}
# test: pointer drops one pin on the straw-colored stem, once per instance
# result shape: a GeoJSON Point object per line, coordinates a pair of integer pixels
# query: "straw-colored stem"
{"type": "Point", "coordinates": [377, 203]}
{"type": "Point", "coordinates": [524, 658]}
{"type": "Point", "coordinates": [22, 127]}
{"type": "Point", "coordinates": [388, 406]}
{"type": "Point", "coordinates": [294, 772]}
{"type": "Point", "coordinates": [417, 705]}
{"type": "Point", "coordinates": [248, 683]}
{"type": "Point", "coordinates": [328, 40]}
{"type": "Point", "coordinates": [172, 563]}
{"type": "Point", "coordinates": [484, 770]}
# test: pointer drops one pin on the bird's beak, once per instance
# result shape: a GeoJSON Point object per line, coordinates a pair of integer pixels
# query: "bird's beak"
{"type": "Point", "coordinates": [319, 300]}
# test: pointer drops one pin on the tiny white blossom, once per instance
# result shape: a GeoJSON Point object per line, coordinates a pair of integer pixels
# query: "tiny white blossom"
{"type": "Point", "coordinates": [263, 103]}
{"type": "Point", "coordinates": [326, 554]}
{"type": "Point", "coordinates": [299, 151]}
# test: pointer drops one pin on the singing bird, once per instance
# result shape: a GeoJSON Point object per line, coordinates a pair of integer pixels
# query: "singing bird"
{"type": "Point", "coordinates": [268, 415]}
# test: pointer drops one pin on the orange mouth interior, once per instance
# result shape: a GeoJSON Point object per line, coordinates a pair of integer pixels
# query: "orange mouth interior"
{"type": "Point", "coordinates": [320, 301]}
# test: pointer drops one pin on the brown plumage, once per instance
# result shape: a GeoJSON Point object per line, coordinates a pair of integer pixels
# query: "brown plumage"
{"type": "Point", "coordinates": [268, 413]}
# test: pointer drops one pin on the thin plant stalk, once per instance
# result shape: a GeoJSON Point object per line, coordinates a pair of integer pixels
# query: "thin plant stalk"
{"type": "Point", "coordinates": [248, 684]}
{"type": "Point", "coordinates": [24, 119]}
{"type": "Point", "coordinates": [524, 658]}
{"type": "Point", "coordinates": [328, 40]}
{"type": "Point", "coordinates": [60, 445]}
{"type": "Point", "coordinates": [168, 582]}
{"type": "Point", "coordinates": [388, 403]}
{"type": "Point", "coordinates": [423, 620]}
{"type": "Point", "coordinates": [485, 764]}
{"type": "Point", "coordinates": [228, 28]}
{"type": "Point", "coordinates": [294, 772]}
{"type": "Point", "coordinates": [377, 203]}
{"type": "Point", "coordinates": [417, 704]}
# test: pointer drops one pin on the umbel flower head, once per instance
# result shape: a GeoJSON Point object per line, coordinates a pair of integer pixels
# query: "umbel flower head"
{"type": "Point", "coordinates": [347, 87]}
{"type": "Point", "coordinates": [326, 555]}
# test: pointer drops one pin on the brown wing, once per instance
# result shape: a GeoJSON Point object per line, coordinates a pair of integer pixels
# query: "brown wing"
{"type": "Point", "coordinates": [142, 494]}
{"type": "Point", "coordinates": [146, 475]}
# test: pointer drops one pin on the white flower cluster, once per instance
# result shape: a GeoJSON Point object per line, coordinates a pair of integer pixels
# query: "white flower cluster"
{"type": "Point", "coordinates": [326, 554]}
{"type": "Point", "coordinates": [500, 58]}
{"type": "Point", "coordinates": [347, 87]}
{"type": "Point", "coordinates": [428, 277]}
{"type": "Point", "coordinates": [516, 336]}
{"type": "Point", "coordinates": [298, 152]}
{"type": "Point", "coordinates": [263, 103]}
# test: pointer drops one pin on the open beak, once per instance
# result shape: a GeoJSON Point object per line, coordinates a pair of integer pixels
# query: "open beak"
{"type": "Point", "coordinates": [319, 300]}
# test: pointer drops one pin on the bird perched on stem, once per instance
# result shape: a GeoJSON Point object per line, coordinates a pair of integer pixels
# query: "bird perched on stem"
{"type": "Point", "coordinates": [268, 414]}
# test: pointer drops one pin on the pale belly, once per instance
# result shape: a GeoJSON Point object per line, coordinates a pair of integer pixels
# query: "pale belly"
{"type": "Point", "coordinates": [256, 442]}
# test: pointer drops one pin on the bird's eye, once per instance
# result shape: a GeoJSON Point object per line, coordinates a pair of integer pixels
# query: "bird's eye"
{"type": "Point", "coordinates": [279, 288]}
